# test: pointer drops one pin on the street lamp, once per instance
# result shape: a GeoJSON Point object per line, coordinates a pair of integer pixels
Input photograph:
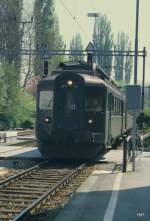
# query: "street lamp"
{"type": "Point", "coordinates": [94, 15]}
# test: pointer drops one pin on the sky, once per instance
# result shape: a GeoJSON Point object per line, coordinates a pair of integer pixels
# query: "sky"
{"type": "Point", "coordinates": [121, 14]}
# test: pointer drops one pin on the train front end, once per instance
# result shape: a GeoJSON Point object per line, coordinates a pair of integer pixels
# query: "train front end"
{"type": "Point", "coordinates": [71, 123]}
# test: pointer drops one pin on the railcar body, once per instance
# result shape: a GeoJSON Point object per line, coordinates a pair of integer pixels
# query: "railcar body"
{"type": "Point", "coordinates": [80, 112]}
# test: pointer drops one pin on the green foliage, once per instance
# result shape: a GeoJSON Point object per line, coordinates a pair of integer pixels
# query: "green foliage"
{"type": "Point", "coordinates": [121, 85]}
{"type": "Point", "coordinates": [103, 41]}
{"type": "Point", "coordinates": [146, 102]}
{"type": "Point", "coordinates": [147, 111]}
{"type": "Point", "coordinates": [11, 30]}
{"type": "Point", "coordinates": [26, 108]}
{"type": "Point", "coordinates": [16, 106]}
{"type": "Point", "coordinates": [123, 65]}
{"type": "Point", "coordinates": [76, 44]}
{"type": "Point", "coordinates": [47, 34]}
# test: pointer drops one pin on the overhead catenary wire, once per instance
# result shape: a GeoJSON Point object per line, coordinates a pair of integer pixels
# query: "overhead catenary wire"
{"type": "Point", "coordinates": [75, 20]}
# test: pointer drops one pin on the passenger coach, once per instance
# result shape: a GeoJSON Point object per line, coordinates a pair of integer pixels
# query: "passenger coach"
{"type": "Point", "coordinates": [80, 112]}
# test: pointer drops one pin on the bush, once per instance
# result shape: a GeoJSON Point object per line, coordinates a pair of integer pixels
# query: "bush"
{"type": "Point", "coordinates": [147, 120]}
{"type": "Point", "coordinates": [3, 125]}
{"type": "Point", "coordinates": [27, 125]}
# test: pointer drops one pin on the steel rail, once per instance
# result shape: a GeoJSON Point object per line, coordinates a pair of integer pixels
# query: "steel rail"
{"type": "Point", "coordinates": [47, 195]}
{"type": "Point", "coordinates": [24, 193]}
{"type": "Point", "coordinates": [12, 179]}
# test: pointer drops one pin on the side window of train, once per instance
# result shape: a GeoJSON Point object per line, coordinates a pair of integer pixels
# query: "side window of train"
{"type": "Point", "coordinates": [122, 107]}
{"type": "Point", "coordinates": [109, 107]}
{"type": "Point", "coordinates": [115, 106]}
{"type": "Point", "coordinates": [118, 107]}
{"type": "Point", "coordinates": [112, 104]}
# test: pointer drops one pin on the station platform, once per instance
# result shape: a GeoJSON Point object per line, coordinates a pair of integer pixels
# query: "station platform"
{"type": "Point", "coordinates": [19, 152]}
{"type": "Point", "coordinates": [112, 195]}
{"type": "Point", "coordinates": [15, 148]}
{"type": "Point", "coordinates": [9, 150]}
{"type": "Point", "coordinates": [11, 137]}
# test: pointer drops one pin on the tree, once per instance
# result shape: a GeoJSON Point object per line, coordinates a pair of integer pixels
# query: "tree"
{"type": "Point", "coordinates": [11, 94]}
{"type": "Point", "coordinates": [128, 66]}
{"type": "Point", "coordinates": [2, 89]}
{"type": "Point", "coordinates": [103, 41]}
{"type": "Point", "coordinates": [16, 105]}
{"type": "Point", "coordinates": [47, 34]}
{"type": "Point", "coordinates": [76, 44]}
{"type": "Point", "coordinates": [10, 91]}
{"type": "Point", "coordinates": [11, 31]}
{"type": "Point", "coordinates": [27, 69]}
{"type": "Point", "coordinates": [123, 64]}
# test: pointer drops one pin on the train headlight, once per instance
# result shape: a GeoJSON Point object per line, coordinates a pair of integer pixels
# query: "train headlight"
{"type": "Point", "coordinates": [47, 120]}
{"type": "Point", "coordinates": [90, 121]}
{"type": "Point", "coordinates": [69, 82]}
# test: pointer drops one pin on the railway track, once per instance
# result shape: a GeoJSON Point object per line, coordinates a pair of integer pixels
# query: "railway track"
{"type": "Point", "coordinates": [27, 191]}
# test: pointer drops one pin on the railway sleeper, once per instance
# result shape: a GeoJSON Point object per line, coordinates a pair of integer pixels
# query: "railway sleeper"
{"type": "Point", "coordinates": [26, 188]}
{"type": "Point", "coordinates": [21, 191]}
{"type": "Point", "coordinates": [13, 196]}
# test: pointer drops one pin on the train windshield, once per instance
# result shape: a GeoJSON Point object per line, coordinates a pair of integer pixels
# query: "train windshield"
{"type": "Point", "coordinates": [69, 102]}
{"type": "Point", "coordinates": [93, 101]}
{"type": "Point", "coordinates": [46, 100]}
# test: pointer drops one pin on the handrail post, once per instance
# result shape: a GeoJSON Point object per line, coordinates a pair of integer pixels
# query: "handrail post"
{"type": "Point", "coordinates": [124, 168]}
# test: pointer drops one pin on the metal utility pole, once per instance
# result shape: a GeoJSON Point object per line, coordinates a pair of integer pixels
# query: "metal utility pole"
{"type": "Point", "coordinates": [143, 79]}
{"type": "Point", "coordinates": [135, 82]}
{"type": "Point", "coordinates": [149, 94]}
{"type": "Point", "coordinates": [133, 93]}
{"type": "Point", "coordinates": [136, 43]}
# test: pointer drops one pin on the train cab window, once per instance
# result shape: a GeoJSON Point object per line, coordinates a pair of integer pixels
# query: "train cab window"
{"type": "Point", "coordinates": [93, 102]}
{"type": "Point", "coordinates": [46, 100]}
{"type": "Point", "coordinates": [69, 102]}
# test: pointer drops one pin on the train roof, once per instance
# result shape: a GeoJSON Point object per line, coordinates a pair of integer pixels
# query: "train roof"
{"type": "Point", "coordinates": [90, 74]}
{"type": "Point", "coordinates": [97, 81]}
{"type": "Point", "coordinates": [88, 69]}
{"type": "Point", "coordinates": [91, 67]}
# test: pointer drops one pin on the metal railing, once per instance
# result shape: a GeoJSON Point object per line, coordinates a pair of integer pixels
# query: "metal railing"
{"type": "Point", "coordinates": [128, 150]}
